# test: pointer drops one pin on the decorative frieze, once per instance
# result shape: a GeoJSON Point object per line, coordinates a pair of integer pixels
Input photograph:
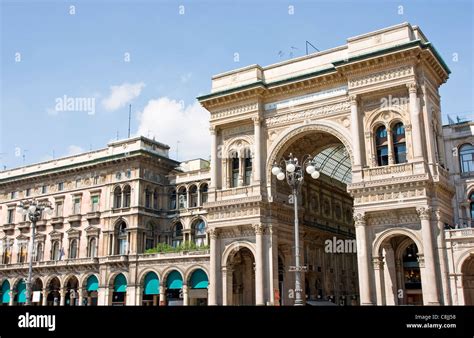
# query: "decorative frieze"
{"type": "Point", "coordinates": [234, 111]}
{"type": "Point", "coordinates": [386, 75]}
{"type": "Point", "coordinates": [308, 114]}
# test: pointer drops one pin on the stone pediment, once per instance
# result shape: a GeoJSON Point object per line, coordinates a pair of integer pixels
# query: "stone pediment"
{"type": "Point", "coordinates": [92, 230]}
{"type": "Point", "coordinates": [56, 235]}
{"type": "Point", "coordinates": [73, 233]}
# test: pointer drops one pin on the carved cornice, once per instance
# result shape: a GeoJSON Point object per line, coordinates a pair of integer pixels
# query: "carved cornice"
{"type": "Point", "coordinates": [382, 76]}
{"type": "Point", "coordinates": [233, 111]}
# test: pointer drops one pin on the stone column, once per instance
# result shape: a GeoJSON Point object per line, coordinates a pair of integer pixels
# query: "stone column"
{"type": "Point", "coordinates": [428, 278]}
{"type": "Point", "coordinates": [12, 297]}
{"type": "Point", "coordinates": [379, 280]}
{"type": "Point", "coordinates": [443, 259]}
{"type": "Point", "coordinates": [213, 183]}
{"type": "Point", "coordinates": [259, 273]}
{"type": "Point", "coordinates": [80, 292]}
{"type": "Point", "coordinates": [257, 153]}
{"type": "Point", "coordinates": [185, 295]}
{"type": "Point", "coordinates": [45, 297]}
{"type": "Point", "coordinates": [415, 121]}
{"type": "Point", "coordinates": [363, 259]}
{"type": "Point", "coordinates": [162, 295]}
{"type": "Point", "coordinates": [62, 295]}
{"type": "Point", "coordinates": [355, 132]}
{"type": "Point", "coordinates": [227, 285]}
{"type": "Point", "coordinates": [391, 158]}
{"type": "Point", "coordinates": [214, 251]}
{"type": "Point", "coordinates": [390, 275]}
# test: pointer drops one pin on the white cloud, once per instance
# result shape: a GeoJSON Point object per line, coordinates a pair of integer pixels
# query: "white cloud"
{"type": "Point", "coordinates": [121, 95]}
{"type": "Point", "coordinates": [170, 121]}
{"type": "Point", "coordinates": [74, 150]}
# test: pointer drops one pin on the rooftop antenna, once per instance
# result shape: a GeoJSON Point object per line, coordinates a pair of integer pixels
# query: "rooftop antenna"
{"type": "Point", "coordinates": [24, 155]}
{"type": "Point", "coordinates": [129, 118]}
{"type": "Point", "coordinates": [309, 43]}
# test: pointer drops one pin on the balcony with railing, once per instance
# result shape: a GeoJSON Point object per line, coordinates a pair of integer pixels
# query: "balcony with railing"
{"type": "Point", "coordinates": [51, 264]}
{"type": "Point", "coordinates": [394, 170]}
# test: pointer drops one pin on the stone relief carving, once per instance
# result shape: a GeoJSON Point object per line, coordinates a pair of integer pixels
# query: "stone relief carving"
{"type": "Point", "coordinates": [382, 76]}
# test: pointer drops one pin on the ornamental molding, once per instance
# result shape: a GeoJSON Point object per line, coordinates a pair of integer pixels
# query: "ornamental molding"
{"type": "Point", "coordinates": [360, 218]}
{"type": "Point", "coordinates": [237, 130]}
{"type": "Point", "coordinates": [393, 195]}
{"type": "Point", "coordinates": [424, 213]}
{"type": "Point", "coordinates": [308, 114]}
{"type": "Point", "coordinates": [381, 76]}
{"type": "Point", "coordinates": [235, 110]}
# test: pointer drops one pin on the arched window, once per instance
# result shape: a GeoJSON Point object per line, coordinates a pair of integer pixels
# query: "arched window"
{"type": "Point", "coordinates": [381, 145]}
{"type": "Point", "coordinates": [177, 234]}
{"type": "Point", "coordinates": [182, 198]}
{"type": "Point", "coordinates": [155, 199]}
{"type": "Point", "coordinates": [73, 248]}
{"type": "Point", "coordinates": [147, 198]}
{"type": "Point", "coordinates": [23, 253]}
{"type": "Point", "coordinates": [92, 248]}
{"type": "Point", "coordinates": [38, 257]}
{"type": "Point", "coordinates": [150, 241]}
{"type": "Point", "coordinates": [235, 170]}
{"type": "Point", "coordinates": [172, 196]}
{"type": "Point", "coordinates": [117, 197]}
{"type": "Point", "coordinates": [6, 257]}
{"type": "Point", "coordinates": [127, 193]}
{"type": "Point", "coordinates": [203, 189]}
{"type": "Point", "coordinates": [466, 157]}
{"type": "Point", "coordinates": [56, 251]}
{"type": "Point", "coordinates": [199, 232]}
{"type": "Point", "coordinates": [193, 196]}
{"type": "Point", "coordinates": [399, 143]}
{"type": "Point", "coordinates": [122, 240]}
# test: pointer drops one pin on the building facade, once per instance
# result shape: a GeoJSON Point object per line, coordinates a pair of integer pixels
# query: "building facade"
{"type": "Point", "coordinates": [387, 222]}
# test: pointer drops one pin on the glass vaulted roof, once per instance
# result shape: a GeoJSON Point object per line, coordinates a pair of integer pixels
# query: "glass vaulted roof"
{"type": "Point", "coordinates": [334, 161]}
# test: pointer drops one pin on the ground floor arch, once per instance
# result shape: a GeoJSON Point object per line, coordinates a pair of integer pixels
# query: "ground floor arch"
{"type": "Point", "coordinates": [398, 268]}
{"type": "Point", "coordinates": [53, 296]}
{"type": "Point", "coordinates": [151, 289]}
{"type": "Point", "coordinates": [91, 289]}
{"type": "Point", "coordinates": [240, 277]}
{"type": "Point", "coordinates": [468, 280]}
{"type": "Point", "coordinates": [174, 288]}
{"type": "Point", "coordinates": [6, 294]}
{"type": "Point", "coordinates": [198, 284]}
{"type": "Point", "coordinates": [72, 291]}
{"type": "Point", "coordinates": [119, 290]}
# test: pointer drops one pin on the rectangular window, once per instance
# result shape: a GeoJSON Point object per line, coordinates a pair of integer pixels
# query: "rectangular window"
{"type": "Point", "coordinates": [13, 194]}
{"type": "Point", "coordinates": [248, 171]}
{"type": "Point", "coordinates": [382, 155]}
{"type": "Point", "coordinates": [59, 209]}
{"type": "Point", "coordinates": [60, 186]}
{"type": "Point", "coordinates": [10, 216]}
{"type": "Point", "coordinates": [235, 172]}
{"type": "Point", "coordinates": [28, 192]}
{"type": "Point", "coordinates": [78, 183]}
{"type": "Point", "coordinates": [44, 189]}
{"type": "Point", "coordinates": [77, 206]}
{"type": "Point", "coordinates": [95, 203]}
{"type": "Point", "coordinates": [400, 153]}
{"type": "Point", "coordinates": [96, 180]}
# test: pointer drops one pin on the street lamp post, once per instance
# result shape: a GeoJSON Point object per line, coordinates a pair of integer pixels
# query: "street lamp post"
{"type": "Point", "coordinates": [294, 173]}
{"type": "Point", "coordinates": [33, 209]}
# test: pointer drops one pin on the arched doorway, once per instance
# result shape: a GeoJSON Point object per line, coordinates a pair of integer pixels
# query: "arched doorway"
{"type": "Point", "coordinates": [198, 283]}
{"type": "Point", "coordinates": [5, 293]}
{"type": "Point", "coordinates": [325, 213]}
{"type": "Point", "coordinates": [242, 279]}
{"type": "Point", "coordinates": [72, 296]}
{"type": "Point", "coordinates": [37, 295]}
{"type": "Point", "coordinates": [20, 297]}
{"type": "Point", "coordinates": [53, 297]}
{"type": "Point", "coordinates": [119, 294]}
{"type": "Point", "coordinates": [174, 288]}
{"type": "Point", "coordinates": [398, 272]}
{"type": "Point", "coordinates": [91, 291]}
{"type": "Point", "coordinates": [151, 289]}
{"type": "Point", "coordinates": [468, 280]}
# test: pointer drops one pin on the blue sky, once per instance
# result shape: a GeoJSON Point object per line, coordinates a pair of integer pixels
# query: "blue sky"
{"type": "Point", "coordinates": [47, 53]}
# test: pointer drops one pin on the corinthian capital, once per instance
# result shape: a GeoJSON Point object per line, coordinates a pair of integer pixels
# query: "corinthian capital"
{"type": "Point", "coordinates": [259, 229]}
{"type": "Point", "coordinates": [213, 233]}
{"type": "Point", "coordinates": [359, 218]}
{"type": "Point", "coordinates": [212, 130]}
{"type": "Point", "coordinates": [256, 120]}
{"type": "Point", "coordinates": [424, 213]}
{"type": "Point", "coordinates": [412, 87]}
{"type": "Point", "coordinates": [353, 99]}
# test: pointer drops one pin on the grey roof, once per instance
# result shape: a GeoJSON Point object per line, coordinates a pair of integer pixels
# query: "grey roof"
{"type": "Point", "coordinates": [334, 161]}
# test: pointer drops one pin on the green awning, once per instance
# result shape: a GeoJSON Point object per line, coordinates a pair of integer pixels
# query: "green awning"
{"type": "Point", "coordinates": [92, 283]}
{"type": "Point", "coordinates": [21, 291]}
{"type": "Point", "coordinates": [174, 280]}
{"type": "Point", "coordinates": [6, 292]}
{"type": "Point", "coordinates": [152, 284]}
{"type": "Point", "coordinates": [199, 280]}
{"type": "Point", "coordinates": [120, 283]}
